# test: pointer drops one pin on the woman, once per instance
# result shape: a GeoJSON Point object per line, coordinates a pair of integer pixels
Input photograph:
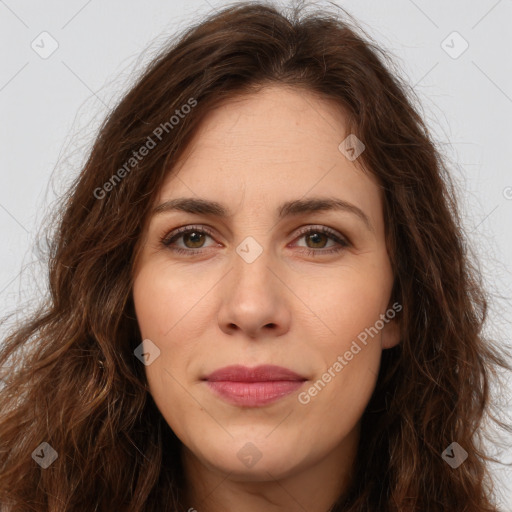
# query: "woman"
{"type": "Point", "coordinates": [261, 298]}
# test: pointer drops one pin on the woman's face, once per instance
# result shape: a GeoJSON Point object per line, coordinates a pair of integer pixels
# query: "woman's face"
{"type": "Point", "coordinates": [266, 286]}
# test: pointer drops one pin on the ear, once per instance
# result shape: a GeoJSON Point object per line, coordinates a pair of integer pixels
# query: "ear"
{"type": "Point", "coordinates": [390, 336]}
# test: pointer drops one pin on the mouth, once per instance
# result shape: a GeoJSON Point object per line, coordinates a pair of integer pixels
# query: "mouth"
{"type": "Point", "coordinates": [253, 387]}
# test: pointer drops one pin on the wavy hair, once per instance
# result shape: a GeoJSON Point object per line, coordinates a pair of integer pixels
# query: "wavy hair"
{"type": "Point", "coordinates": [70, 375]}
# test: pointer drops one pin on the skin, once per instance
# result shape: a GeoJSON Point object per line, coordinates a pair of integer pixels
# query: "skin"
{"type": "Point", "coordinates": [286, 307]}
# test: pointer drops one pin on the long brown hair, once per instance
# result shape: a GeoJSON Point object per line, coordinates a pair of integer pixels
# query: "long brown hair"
{"type": "Point", "coordinates": [71, 378]}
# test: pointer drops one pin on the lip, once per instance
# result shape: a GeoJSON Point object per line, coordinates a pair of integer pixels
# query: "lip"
{"type": "Point", "coordinates": [253, 387]}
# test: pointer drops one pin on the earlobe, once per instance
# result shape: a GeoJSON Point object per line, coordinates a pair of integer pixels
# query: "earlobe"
{"type": "Point", "coordinates": [390, 335]}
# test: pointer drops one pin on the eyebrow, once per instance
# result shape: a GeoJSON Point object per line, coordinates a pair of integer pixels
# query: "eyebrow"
{"type": "Point", "coordinates": [290, 208]}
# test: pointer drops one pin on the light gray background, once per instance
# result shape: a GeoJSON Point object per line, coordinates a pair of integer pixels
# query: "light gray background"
{"type": "Point", "coordinates": [51, 106]}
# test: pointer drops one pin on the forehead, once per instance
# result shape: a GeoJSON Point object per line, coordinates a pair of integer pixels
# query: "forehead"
{"type": "Point", "coordinates": [275, 145]}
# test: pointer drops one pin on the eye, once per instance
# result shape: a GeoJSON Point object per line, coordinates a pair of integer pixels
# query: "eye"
{"type": "Point", "coordinates": [193, 238]}
{"type": "Point", "coordinates": [317, 235]}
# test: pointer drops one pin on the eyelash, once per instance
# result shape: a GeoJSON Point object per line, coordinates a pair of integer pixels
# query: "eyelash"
{"type": "Point", "coordinates": [171, 237]}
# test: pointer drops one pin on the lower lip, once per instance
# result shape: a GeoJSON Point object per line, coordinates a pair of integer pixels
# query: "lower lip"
{"type": "Point", "coordinates": [254, 394]}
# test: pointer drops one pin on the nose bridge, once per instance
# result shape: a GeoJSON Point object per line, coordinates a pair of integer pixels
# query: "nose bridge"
{"type": "Point", "coordinates": [254, 297]}
{"type": "Point", "coordinates": [251, 266]}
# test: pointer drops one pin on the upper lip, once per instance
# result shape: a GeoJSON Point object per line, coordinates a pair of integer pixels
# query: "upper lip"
{"type": "Point", "coordinates": [262, 373]}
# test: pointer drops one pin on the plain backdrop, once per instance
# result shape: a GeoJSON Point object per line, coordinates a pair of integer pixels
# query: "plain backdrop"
{"type": "Point", "coordinates": [65, 64]}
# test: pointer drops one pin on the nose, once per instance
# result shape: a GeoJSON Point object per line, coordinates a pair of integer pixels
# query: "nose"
{"type": "Point", "coordinates": [255, 299]}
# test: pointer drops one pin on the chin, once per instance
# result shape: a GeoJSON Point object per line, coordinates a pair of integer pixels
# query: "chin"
{"type": "Point", "coordinates": [248, 459]}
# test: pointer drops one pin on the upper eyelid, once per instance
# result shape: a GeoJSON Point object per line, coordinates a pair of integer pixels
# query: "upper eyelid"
{"type": "Point", "coordinates": [301, 231]}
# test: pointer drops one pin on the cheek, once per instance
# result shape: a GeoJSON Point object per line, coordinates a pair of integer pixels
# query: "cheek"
{"type": "Point", "coordinates": [345, 379]}
{"type": "Point", "coordinates": [172, 394]}
{"type": "Point", "coordinates": [149, 296]}
{"type": "Point", "coordinates": [163, 297]}
{"type": "Point", "coordinates": [350, 310]}
{"type": "Point", "coordinates": [163, 313]}
{"type": "Point", "coordinates": [349, 306]}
